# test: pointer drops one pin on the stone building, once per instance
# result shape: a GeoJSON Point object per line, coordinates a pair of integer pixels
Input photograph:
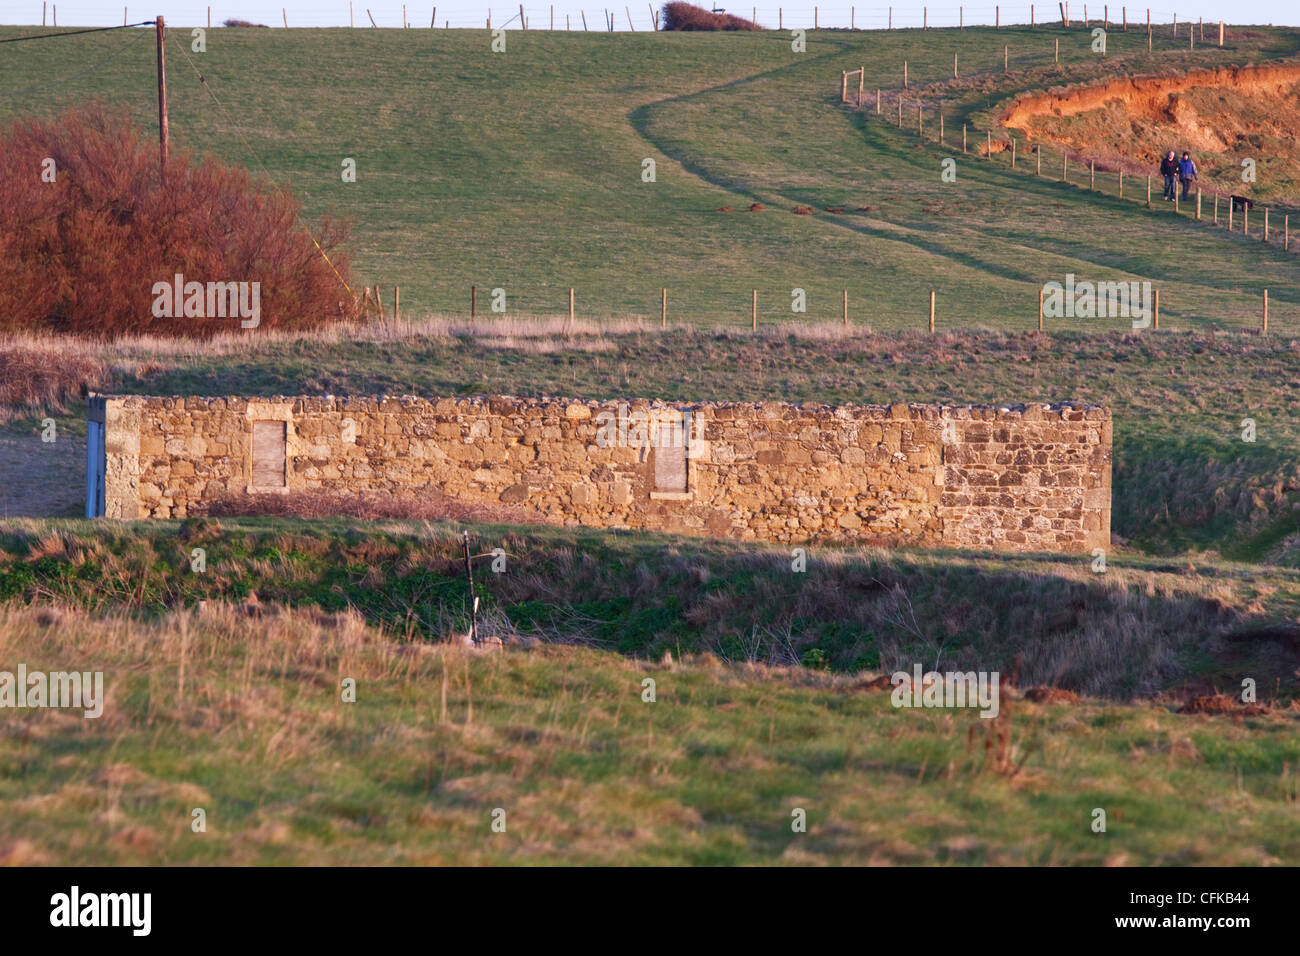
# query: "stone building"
{"type": "Point", "coordinates": [1020, 477]}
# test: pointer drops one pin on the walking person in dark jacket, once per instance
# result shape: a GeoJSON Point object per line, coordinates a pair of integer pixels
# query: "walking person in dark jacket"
{"type": "Point", "coordinates": [1169, 170]}
{"type": "Point", "coordinates": [1186, 173]}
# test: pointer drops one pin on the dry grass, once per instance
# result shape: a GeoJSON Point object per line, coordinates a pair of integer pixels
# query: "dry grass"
{"type": "Point", "coordinates": [243, 716]}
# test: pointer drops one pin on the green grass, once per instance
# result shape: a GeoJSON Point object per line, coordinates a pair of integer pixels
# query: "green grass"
{"type": "Point", "coordinates": [523, 170]}
{"type": "Point", "coordinates": [245, 720]}
{"type": "Point", "coordinates": [1139, 628]}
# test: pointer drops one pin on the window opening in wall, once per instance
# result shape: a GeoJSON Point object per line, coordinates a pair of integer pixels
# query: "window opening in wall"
{"type": "Point", "coordinates": [269, 463]}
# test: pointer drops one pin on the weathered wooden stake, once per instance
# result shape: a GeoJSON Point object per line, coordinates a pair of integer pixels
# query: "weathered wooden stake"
{"type": "Point", "coordinates": [1266, 224]}
{"type": "Point", "coordinates": [1156, 309]}
{"type": "Point", "coordinates": [1148, 190]}
{"type": "Point", "coordinates": [473, 300]}
{"type": "Point", "coordinates": [570, 307]}
{"type": "Point", "coordinates": [397, 302]}
{"type": "Point", "coordinates": [932, 312]}
{"type": "Point", "coordinates": [753, 311]}
{"type": "Point", "coordinates": [1198, 204]}
{"type": "Point", "coordinates": [1040, 309]}
{"type": "Point", "coordinates": [846, 308]}
{"type": "Point", "coordinates": [1092, 174]}
{"type": "Point", "coordinates": [1265, 326]}
{"type": "Point", "coordinates": [663, 308]}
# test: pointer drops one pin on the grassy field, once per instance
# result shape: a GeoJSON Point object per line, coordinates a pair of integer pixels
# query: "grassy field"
{"type": "Point", "coordinates": [523, 170]}
{"type": "Point", "coordinates": [244, 719]}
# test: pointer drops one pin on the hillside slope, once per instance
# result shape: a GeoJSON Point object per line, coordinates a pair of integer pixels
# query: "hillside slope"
{"type": "Point", "coordinates": [523, 170]}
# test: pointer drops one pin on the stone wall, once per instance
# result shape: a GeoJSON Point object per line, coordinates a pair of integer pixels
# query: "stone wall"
{"type": "Point", "coordinates": [1024, 477]}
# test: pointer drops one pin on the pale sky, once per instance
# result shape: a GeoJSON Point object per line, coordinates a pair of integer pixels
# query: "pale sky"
{"type": "Point", "coordinates": [468, 13]}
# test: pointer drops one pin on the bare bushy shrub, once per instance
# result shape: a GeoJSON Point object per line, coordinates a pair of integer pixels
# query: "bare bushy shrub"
{"type": "Point", "coordinates": [80, 254]}
{"type": "Point", "coordinates": [687, 16]}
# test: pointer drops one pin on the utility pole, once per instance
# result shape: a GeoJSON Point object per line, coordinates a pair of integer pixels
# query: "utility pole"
{"type": "Point", "coordinates": [162, 101]}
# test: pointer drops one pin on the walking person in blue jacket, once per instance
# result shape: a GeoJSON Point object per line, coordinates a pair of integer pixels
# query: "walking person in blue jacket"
{"type": "Point", "coordinates": [1186, 173]}
{"type": "Point", "coordinates": [1169, 170]}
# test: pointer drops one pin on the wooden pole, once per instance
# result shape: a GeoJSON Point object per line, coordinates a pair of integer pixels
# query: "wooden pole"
{"type": "Point", "coordinates": [963, 137]}
{"type": "Point", "coordinates": [1231, 208]}
{"type": "Point", "coordinates": [1220, 33]}
{"type": "Point", "coordinates": [877, 101]}
{"type": "Point", "coordinates": [473, 601]}
{"type": "Point", "coordinates": [379, 301]}
{"type": "Point", "coordinates": [941, 126]}
{"type": "Point", "coordinates": [663, 308]}
{"type": "Point", "coordinates": [1198, 204]}
{"type": "Point", "coordinates": [1216, 209]}
{"type": "Point", "coordinates": [1092, 174]}
{"type": "Point", "coordinates": [1286, 233]}
{"type": "Point", "coordinates": [1040, 309]}
{"type": "Point", "coordinates": [1056, 55]}
{"type": "Point", "coordinates": [997, 18]}
{"type": "Point", "coordinates": [904, 74]}
{"type": "Point", "coordinates": [285, 15]}
{"type": "Point", "coordinates": [932, 312]}
{"type": "Point", "coordinates": [584, 18]}
{"type": "Point", "coordinates": [925, 18]}
{"type": "Point", "coordinates": [862, 75]}
{"type": "Point", "coordinates": [1004, 58]}
{"type": "Point", "coordinates": [1013, 152]}
{"type": "Point", "coordinates": [1121, 184]}
{"type": "Point", "coordinates": [1245, 220]}
{"type": "Point", "coordinates": [988, 147]}
{"type": "Point", "coordinates": [753, 310]}
{"type": "Point", "coordinates": [397, 302]}
{"type": "Point", "coordinates": [1265, 326]}
{"type": "Point", "coordinates": [846, 308]}
{"type": "Point", "coordinates": [473, 300]}
{"type": "Point", "coordinates": [920, 124]}
{"type": "Point", "coordinates": [163, 144]}
{"type": "Point", "coordinates": [1156, 308]}
{"type": "Point", "coordinates": [351, 20]}
{"type": "Point", "coordinates": [1038, 155]}
{"type": "Point", "coordinates": [844, 85]}
{"type": "Point", "coordinates": [954, 66]}
{"type": "Point", "coordinates": [570, 307]}
{"type": "Point", "coordinates": [1266, 224]}
{"type": "Point", "coordinates": [1065, 164]}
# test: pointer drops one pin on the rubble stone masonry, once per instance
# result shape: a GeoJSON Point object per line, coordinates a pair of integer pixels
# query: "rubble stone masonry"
{"type": "Point", "coordinates": [1021, 477]}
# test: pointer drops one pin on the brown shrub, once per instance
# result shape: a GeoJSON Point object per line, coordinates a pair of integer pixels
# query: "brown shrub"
{"type": "Point", "coordinates": [803, 210]}
{"type": "Point", "coordinates": [1051, 695]}
{"type": "Point", "coordinates": [687, 16]}
{"type": "Point", "coordinates": [373, 506]}
{"type": "Point", "coordinates": [82, 254]}
{"type": "Point", "coordinates": [244, 23]}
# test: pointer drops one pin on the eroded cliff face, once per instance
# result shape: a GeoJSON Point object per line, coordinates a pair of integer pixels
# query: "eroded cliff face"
{"type": "Point", "coordinates": [1222, 116]}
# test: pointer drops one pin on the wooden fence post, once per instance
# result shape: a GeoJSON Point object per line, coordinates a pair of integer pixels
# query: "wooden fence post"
{"type": "Point", "coordinates": [1038, 160]}
{"type": "Point", "coordinates": [1121, 183]}
{"type": "Point", "coordinates": [1065, 164]}
{"type": "Point", "coordinates": [1220, 33]}
{"type": "Point", "coordinates": [1040, 308]}
{"type": "Point", "coordinates": [473, 300]}
{"type": "Point", "coordinates": [1013, 152]}
{"type": "Point", "coordinates": [932, 312]}
{"type": "Point", "coordinates": [846, 308]}
{"type": "Point", "coordinates": [1265, 327]}
{"type": "Point", "coordinates": [1148, 190]}
{"type": "Point", "coordinates": [963, 137]}
{"type": "Point", "coordinates": [1286, 233]}
{"type": "Point", "coordinates": [1156, 311]}
{"type": "Point", "coordinates": [570, 307]}
{"type": "Point", "coordinates": [1198, 204]}
{"type": "Point", "coordinates": [1092, 174]}
{"type": "Point", "coordinates": [1005, 58]}
{"type": "Point", "coordinates": [904, 74]}
{"type": "Point", "coordinates": [663, 308]}
{"type": "Point", "coordinates": [1266, 224]}
{"type": "Point", "coordinates": [397, 302]}
{"type": "Point", "coordinates": [753, 311]}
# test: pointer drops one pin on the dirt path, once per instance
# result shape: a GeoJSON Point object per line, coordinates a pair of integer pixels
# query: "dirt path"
{"type": "Point", "coordinates": [40, 479]}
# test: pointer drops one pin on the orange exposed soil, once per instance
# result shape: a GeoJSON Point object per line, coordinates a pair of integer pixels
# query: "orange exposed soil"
{"type": "Point", "coordinates": [1222, 116]}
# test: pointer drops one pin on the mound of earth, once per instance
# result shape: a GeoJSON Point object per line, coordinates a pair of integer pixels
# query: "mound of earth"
{"type": "Point", "coordinates": [1221, 116]}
